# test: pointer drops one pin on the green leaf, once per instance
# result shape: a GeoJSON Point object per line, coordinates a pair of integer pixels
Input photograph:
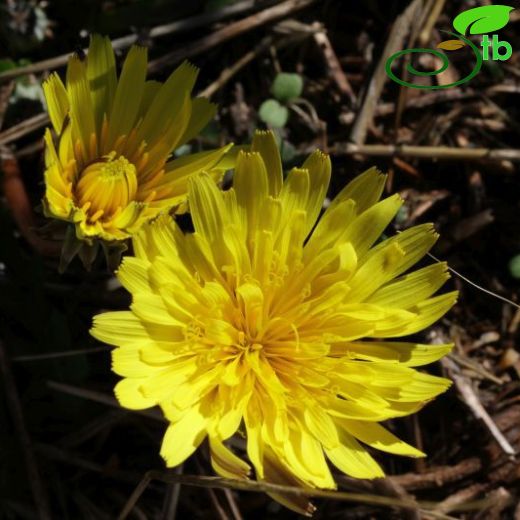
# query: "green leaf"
{"type": "Point", "coordinates": [69, 249]}
{"type": "Point", "coordinates": [287, 86]}
{"type": "Point", "coordinates": [113, 252]}
{"type": "Point", "coordinates": [482, 20]}
{"type": "Point", "coordinates": [273, 114]}
{"type": "Point", "coordinates": [7, 64]}
{"type": "Point", "coordinates": [514, 267]}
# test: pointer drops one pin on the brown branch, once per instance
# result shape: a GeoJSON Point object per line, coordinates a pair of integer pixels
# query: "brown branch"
{"type": "Point", "coordinates": [266, 487]}
{"type": "Point", "coordinates": [434, 98]}
{"type": "Point", "coordinates": [461, 496]}
{"type": "Point", "coordinates": [230, 31]}
{"type": "Point", "coordinates": [473, 402]}
{"type": "Point", "coordinates": [13, 401]}
{"type": "Point", "coordinates": [5, 96]}
{"type": "Point", "coordinates": [62, 354]}
{"type": "Point", "coordinates": [426, 152]}
{"type": "Point", "coordinates": [20, 206]}
{"type": "Point", "coordinates": [439, 476]}
{"type": "Point", "coordinates": [100, 397]}
{"type": "Point", "coordinates": [23, 128]}
{"type": "Point", "coordinates": [394, 43]}
{"type": "Point", "coordinates": [334, 68]}
{"type": "Point", "coordinates": [229, 72]}
{"type": "Point", "coordinates": [297, 32]}
{"type": "Point", "coordinates": [187, 24]}
{"type": "Point", "coordinates": [258, 487]}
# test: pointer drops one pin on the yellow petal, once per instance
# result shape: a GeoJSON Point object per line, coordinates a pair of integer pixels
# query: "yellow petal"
{"type": "Point", "coordinates": [365, 190]}
{"type": "Point", "coordinates": [128, 95]}
{"type": "Point", "coordinates": [303, 454]}
{"type": "Point", "coordinates": [352, 459]}
{"type": "Point", "coordinates": [277, 472]}
{"type": "Point", "coordinates": [193, 163]}
{"type": "Point", "coordinates": [369, 226]}
{"type": "Point", "coordinates": [319, 167]}
{"type": "Point", "coordinates": [411, 288]}
{"type": "Point", "coordinates": [251, 187]}
{"type": "Point", "coordinates": [331, 228]}
{"type": "Point", "coordinates": [407, 354]}
{"type": "Point", "coordinates": [81, 110]}
{"type": "Point", "coordinates": [368, 408]}
{"type": "Point", "coordinates": [265, 144]}
{"type": "Point", "coordinates": [167, 103]}
{"type": "Point", "coordinates": [57, 101]}
{"type": "Point", "coordinates": [65, 150]}
{"type": "Point", "coordinates": [375, 436]}
{"type": "Point", "coordinates": [207, 207]}
{"type": "Point", "coordinates": [183, 438]}
{"type": "Point", "coordinates": [170, 134]}
{"type": "Point", "coordinates": [229, 159]}
{"type": "Point", "coordinates": [178, 171]}
{"type": "Point", "coordinates": [133, 274]}
{"type": "Point", "coordinates": [294, 194]}
{"type": "Point", "coordinates": [123, 327]}
{"type": "Point", "coordinates": [151, 89]}
{"type": "Point", "coordinates": [225, 462]}
{"type": "Point", "coordinates": [255, 444]}
{"type": "Point", "coordinates": [150, 308]}
{"type": "Point", "coordinates": [162, 384]}
{"type": "Point", "coordinates": [202, 112]}
{"type": "Point", "coordinates": [389, 259]}
{"type": "Point", "coordinates": [101, 72]}
{"type": "Point", "coordinates": [251, 298]}
{"type": "Point", "coordinates": [128, 219]}
{"type": "Point", "coordinates": [428, 312]}
{"type": "Point", "coordinates": [392, 383]}
{"type": "Point", "coordinates": [321, 425]}
{"type": "Point", "coordinates": [128, 393]}
{"type": "Point", "coordinates": [127, 362]}
{"type": "Point", "coordinates": [55, 176]}
{"type": "Point", "coordinates": [118, 327]}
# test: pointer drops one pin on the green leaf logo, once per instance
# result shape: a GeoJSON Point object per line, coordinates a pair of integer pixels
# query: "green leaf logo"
{"type": "Point", "coordinates": [482, 20]}
{"type": "Point", "coordinates": [451, 45]}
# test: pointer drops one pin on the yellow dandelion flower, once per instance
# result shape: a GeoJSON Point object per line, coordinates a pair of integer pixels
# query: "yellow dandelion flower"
{"type": "Point", "coordinates": [110, 170]}
{"type": "Point", "coordinates": [270, 322]}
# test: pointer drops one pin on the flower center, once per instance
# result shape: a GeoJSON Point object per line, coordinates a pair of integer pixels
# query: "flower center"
{"type": "Point", "coordinates": [106, 186]}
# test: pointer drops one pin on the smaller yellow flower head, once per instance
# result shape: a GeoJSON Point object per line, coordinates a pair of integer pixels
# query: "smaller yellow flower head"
{"type": "Point", "coordinates": [111, 169]}
{"type": "Point", "coordinates": [270, 321]}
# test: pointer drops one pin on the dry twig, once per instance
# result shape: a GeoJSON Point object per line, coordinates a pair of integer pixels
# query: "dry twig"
{"type": "Point", "coordinates": [296, 32]}
{"type": "Point", "coordinates": [23, 128]}
{"type": "Point", "coordinates": [187, 24]}
{"type": "Point", "coordinates": [13, 401]}
{"type": "Point", "coordinates": [426, 152]}
{"type": "Point", "coordinates": [395, 40]}
{"type": "Point", "coordinates": [473, 402]}
{"type": "Point", "coordinates": [438, 477]}
{"type": "Point", "coordinates": [230, 31]}
{"type": "Point", "coordinates": [98, 397]}
{"type": "Point", "coordinates": [20, 205]}
{"type": "Point", "coordinates": [334, 66]}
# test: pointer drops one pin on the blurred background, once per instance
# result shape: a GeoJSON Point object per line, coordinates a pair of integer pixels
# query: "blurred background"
{"type": "Point", "coordinates": [314, 71]}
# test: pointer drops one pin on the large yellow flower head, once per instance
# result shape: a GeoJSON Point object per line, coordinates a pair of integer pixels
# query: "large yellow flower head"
{"type": "Point", "coordinates": [111, 169]}
{"type": "Point", "coordinates": [269, 322]}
